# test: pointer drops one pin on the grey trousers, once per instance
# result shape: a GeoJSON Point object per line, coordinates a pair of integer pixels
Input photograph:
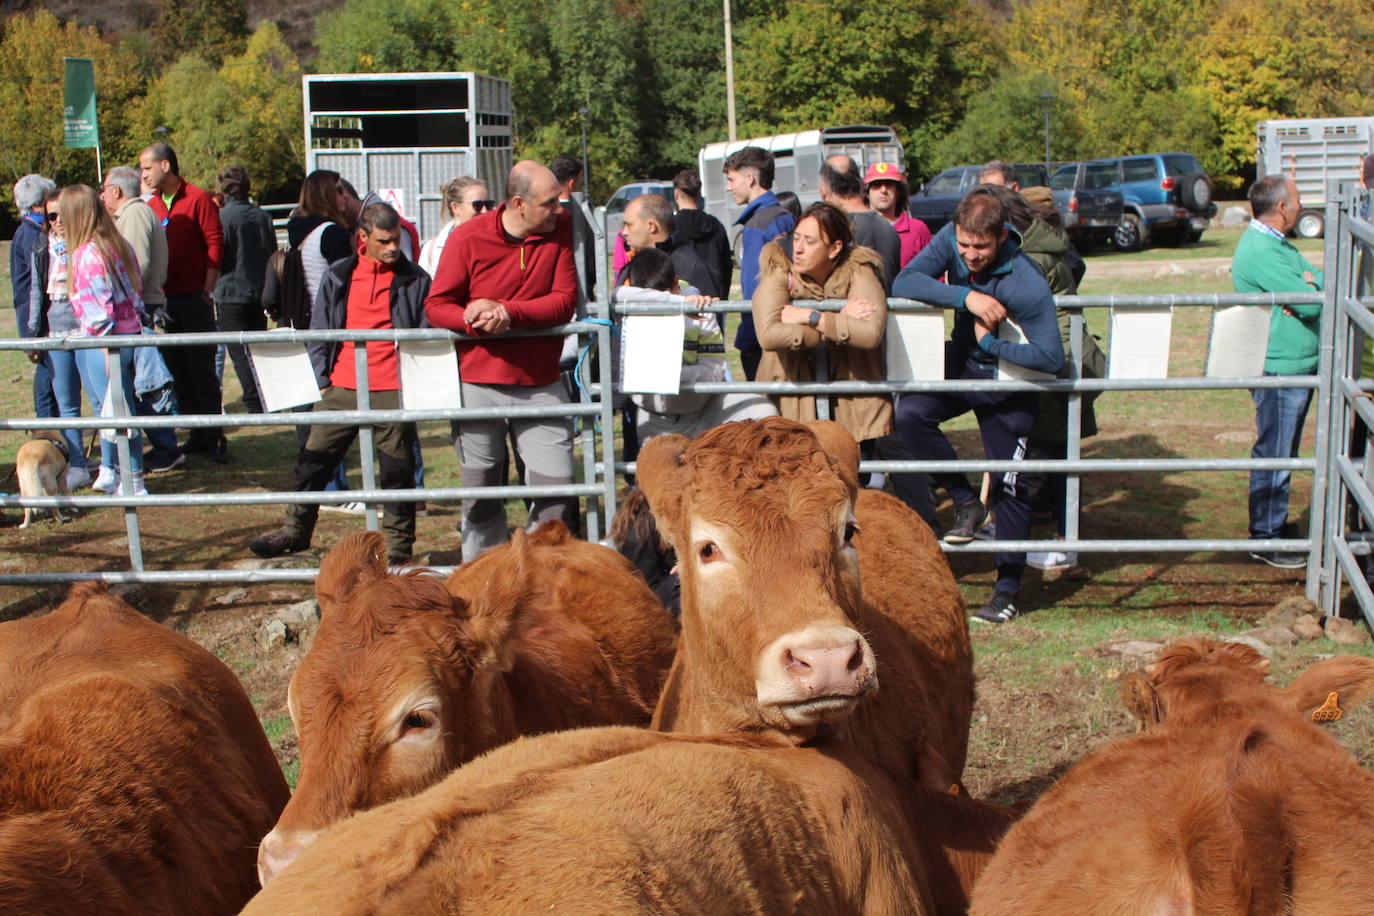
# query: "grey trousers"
{"type": "Point", "coordinates": [545, 444]}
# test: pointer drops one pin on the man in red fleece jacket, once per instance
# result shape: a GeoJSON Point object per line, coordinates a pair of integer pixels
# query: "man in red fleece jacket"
{"type": "Point", "coordinates": [195, 242]}
{"type": "Point", "coordinates": [510, 268]}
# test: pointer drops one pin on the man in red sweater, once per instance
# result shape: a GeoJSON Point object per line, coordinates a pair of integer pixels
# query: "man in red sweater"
{"type": "Point", "coordinates": [195, 242]}
{"type": "Point", "coordinates": [510, 268]}
{"type": "Point", "coordinates": [376, 288]}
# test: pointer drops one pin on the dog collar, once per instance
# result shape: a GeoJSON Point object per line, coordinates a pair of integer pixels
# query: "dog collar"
{"type": "Point", "coordinates": [61, 446]}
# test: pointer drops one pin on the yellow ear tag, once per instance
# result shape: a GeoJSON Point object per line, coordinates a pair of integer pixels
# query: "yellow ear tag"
{"type": "Point", "coordinates": [1329, 711]}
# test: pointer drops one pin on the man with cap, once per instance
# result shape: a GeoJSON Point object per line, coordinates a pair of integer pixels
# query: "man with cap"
{"type": "Point", "coordinates": [887, 195]}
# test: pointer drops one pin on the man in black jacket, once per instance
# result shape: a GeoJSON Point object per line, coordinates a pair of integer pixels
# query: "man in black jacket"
{"type": "Point", "coordinates": [375, 289]}
{"type": "Point", "coordinates": [649, 223]}
{"type": "Point", "coordinates": [694, 226]}
{"type": "Point", "coordinates": [248, 242]}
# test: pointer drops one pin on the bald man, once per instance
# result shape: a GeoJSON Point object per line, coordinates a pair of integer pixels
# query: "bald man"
{"type": "Point", "coordinates": [510, 269]}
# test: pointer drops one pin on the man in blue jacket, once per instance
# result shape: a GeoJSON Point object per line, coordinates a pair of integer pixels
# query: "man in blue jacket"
{"type": "Point", "coordinates": [749, 179]}
{"type": "Point", "coordinates": [989, 281]}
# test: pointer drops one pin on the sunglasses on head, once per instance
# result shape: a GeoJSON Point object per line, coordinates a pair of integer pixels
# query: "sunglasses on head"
{"type": "Point", "coordinates": [479, 205]}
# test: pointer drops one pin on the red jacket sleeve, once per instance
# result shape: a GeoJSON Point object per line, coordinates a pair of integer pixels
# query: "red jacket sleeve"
{"type": "Point", "coordinates": [558, 305]}
{"type": "Point", "coordinates": [208, 218]}
{"type": "Point", "coordinates": [448, 294]}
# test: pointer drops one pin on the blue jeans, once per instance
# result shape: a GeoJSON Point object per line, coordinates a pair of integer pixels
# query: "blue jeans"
{"type": "Point", "coordinates": [94, 377]}
{"type": "Point", "coordinates": [66, 386]}
{"type": "Point", "coordinates": [1279, 416]}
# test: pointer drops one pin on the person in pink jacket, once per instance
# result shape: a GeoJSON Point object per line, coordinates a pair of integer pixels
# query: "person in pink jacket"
{"type": "Point", "coordinates": [887, 194]}
{"type": "Point", "coordinates": [104, 287]}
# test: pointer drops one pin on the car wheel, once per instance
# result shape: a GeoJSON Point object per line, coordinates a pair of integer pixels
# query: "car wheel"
{"type": "Point", "coordinates": [1130, 233]}
{"type": "Point", "coordinates": [1311, 224]}
{"type": "Point", "coordinates": [1196, 191]}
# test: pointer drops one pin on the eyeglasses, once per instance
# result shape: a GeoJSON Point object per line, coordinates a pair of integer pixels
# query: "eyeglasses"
{"type": "Point", "coordinates": [53, 216]}
{"type": "Point", "coordinates": [479, 205]}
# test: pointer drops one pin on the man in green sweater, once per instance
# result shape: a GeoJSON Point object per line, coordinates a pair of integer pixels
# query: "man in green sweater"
{"type": "Point", "coordinates": [1266, 262]}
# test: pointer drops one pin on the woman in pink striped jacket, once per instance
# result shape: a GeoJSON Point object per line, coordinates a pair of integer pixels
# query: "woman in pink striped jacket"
{"type": "Point", "coordinates": [104, 286]}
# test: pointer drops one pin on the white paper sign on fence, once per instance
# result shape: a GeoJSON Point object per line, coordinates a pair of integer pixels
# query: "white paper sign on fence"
{"type": "Point", "coordinates": [285, 376]}
{"type": "Point", "coordinates": [1239, 340]}
{"type": "Point", "coordinates": [651, 353]}
{"type": "Point", "coordinates": [429, 375]}
{"type": "Point", "coordinates": [1140, 343]}
{"type": "Point", "coordinates": [1011, 332]}
{"type": "Point", "coordinates": [915, 343]}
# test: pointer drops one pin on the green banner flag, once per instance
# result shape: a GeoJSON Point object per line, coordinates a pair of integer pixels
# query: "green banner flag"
{"type": "Point", "coordinates": [79, 127]}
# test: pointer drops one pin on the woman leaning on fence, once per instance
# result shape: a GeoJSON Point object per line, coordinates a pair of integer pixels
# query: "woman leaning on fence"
{"type": "Point", "coordinates": [104, 285]}
{"type": "Point", "coordinates": [825, 264]}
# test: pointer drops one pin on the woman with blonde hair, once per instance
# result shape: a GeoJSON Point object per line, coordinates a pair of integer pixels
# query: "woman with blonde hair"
{"type": "Point", "coordinates": [464, 198]}
{"type": "Point", "coordinates": [824, 264]}
{"type": "Point", "coordinates": [105, 288]}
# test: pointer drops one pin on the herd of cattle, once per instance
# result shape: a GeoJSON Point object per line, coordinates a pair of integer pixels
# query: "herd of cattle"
{"type": "Point", "coordinates": [478, 745]}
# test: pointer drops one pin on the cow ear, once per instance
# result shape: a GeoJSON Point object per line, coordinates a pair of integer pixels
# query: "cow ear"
{"type": "Point", "coordinates": [357, 559]}
{"type": "Point", "coordinates": [1141, 701]}
{"type": "Point", "coordinates": [1349, 677]}
{"type": "Point", "coordinates": [496, 616]}
{"type": "Point", "coordinates": [663, 478]}
{"type": "Point", "coordinates": [839, 446]}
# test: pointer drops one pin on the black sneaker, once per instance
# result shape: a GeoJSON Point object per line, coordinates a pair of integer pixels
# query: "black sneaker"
{"type": "Point", "coordinates": [1281, 559]}
{"type": "Point", "coordinates": [219, 452]}
{"type": "Point", "coordinates": [156, 462]}
{"type": "Point", "coordinates": [1000, 608]}
{"type": "Point", "coordinates": [967, 518]}
{"type": "Point", "coordinates": [276, 543]}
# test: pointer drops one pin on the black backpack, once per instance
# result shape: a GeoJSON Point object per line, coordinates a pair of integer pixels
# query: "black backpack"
{"type": "Point", "coordinates": [284, 293]}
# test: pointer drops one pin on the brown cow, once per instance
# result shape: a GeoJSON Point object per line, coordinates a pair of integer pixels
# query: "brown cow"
{"type": "Point", "coordinates": [778, 636]}
{"type": "Point", "coordinates": [409, 676]}
{"type": "Point", "coordinates": [134, 775]}
{"type": "Point", "coordinates": [620, 821]}
{"type": "Point", "coordinates": [1231, 802]}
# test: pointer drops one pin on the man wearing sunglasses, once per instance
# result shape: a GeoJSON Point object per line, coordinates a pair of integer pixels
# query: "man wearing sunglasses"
{"type": "Point", "coordinates": [29, 193]}
{"type": "Point", "coordinates": [511, 268]}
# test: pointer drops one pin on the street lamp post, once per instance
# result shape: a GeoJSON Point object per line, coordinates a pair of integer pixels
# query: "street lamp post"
{"type": "Point", "coordinates": [582, 114]}
{"type": "Point", "coordinates": [1047, 99]}
{"type": "Point", "coordinates": [729, 73]}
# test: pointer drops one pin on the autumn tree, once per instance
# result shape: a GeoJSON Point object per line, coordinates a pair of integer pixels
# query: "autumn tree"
{"type": "Point", "coordinates": [210, 29]}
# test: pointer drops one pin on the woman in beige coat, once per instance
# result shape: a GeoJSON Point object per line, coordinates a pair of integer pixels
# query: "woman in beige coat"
{"type": "Point", "coordinates": [825, 264]}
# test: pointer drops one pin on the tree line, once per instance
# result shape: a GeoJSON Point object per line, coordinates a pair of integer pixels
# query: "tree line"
{"type": "Point", "coordinates": [959, 83]}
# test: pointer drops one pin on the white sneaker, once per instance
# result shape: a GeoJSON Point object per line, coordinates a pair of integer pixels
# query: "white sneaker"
{"type": "Point", "coordinates": [139, 488]}
{"type": "Point", "coordinates": [107, 481]}
{"type": "Point", "coordinates": [353, 508]}
{"type": "Point", "coordinates": [78, 477]}
{"type": "Point", "coordinates": [1052, 559]}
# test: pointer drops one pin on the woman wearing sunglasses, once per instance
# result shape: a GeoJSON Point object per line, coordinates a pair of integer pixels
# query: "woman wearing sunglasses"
{"type": "Point", "coordinates": [464, 198]}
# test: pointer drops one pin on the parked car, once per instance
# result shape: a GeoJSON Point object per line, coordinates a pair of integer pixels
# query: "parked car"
{"type": "Point", "coordinates": [615, 207]}
{"type": "Point", "coordinates": [1167, 198]}
{"type": "Point", "coordinates": [935, 202]}
{"type": "Point", "coordinates": [1086, 197]}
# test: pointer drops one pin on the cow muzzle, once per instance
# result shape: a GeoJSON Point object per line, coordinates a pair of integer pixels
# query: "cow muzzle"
{"type": "Point", "coordinates": [279, 849]}
{"type": "Point", "coordinates": [816, 675]}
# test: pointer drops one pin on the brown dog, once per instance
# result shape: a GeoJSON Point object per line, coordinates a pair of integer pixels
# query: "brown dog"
{"type": "Point", "coordinates": [41, 466]}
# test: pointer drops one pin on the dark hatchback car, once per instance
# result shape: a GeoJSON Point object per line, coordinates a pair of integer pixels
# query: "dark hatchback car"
{"type": "Point", "coordinates": [1167, 199]}
{"type": "Point", "coordinates": [935, 203]}
{"type": "Point", "coordinates": [1086, 197]}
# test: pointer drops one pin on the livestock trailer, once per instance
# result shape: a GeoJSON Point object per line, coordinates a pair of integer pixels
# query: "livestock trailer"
{"type": "Point", "coordinates": [1313, 151]}
{"type": "Point", "coordinates": [797, 159]}
{"type": "Point", "coordinates": [404, 134]}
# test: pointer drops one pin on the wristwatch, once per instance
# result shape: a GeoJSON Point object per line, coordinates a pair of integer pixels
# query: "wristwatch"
{"type": "Point", "coordinates": [814, 319]}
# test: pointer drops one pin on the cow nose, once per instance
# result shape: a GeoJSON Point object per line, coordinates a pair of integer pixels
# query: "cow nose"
{"type": "Point", "coordinates": [279, 849]}
{"type": "Point", "coordinates": [827, 670]}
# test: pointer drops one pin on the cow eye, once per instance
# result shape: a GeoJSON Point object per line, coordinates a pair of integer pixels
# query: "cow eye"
{"type": "Point", "coordinates": [418, 720]}
{"type": "Point", "coordinates": [708, 552]}
{"type": "Point", "coordinates": [850, 529]}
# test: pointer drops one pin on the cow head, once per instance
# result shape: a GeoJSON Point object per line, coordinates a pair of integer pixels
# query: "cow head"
{"type": "Point", "coordinates": [394, 690]}
{"type": "Point", "coordinates": [1199, 681]}
{"type": "Point", "coordinates": [761, 516]}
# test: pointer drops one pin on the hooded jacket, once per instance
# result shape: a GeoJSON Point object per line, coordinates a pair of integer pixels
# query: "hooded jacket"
{"type": "Point", "coordinates": [707, 237]}
{"type": "Point", "coordinates": [855, 350]}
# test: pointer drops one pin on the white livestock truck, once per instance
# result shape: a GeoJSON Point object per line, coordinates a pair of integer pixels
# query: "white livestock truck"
{"type": "Point", "coordinates": [404, 134]}
{"type": "Point", "coordinates": [797, 159]}
{"type": "Point", "coordinates": [1313, 151]}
